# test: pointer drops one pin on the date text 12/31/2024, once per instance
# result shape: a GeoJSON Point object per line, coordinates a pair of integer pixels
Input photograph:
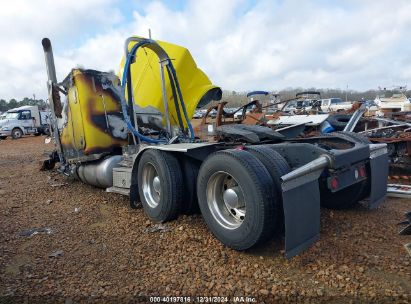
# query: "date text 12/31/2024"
{"type": "Point", "coordinates": [203, 299]}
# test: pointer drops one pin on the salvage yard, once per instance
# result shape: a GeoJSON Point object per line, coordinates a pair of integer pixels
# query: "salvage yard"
{"type": "Point", "coordinates": [96, 245]}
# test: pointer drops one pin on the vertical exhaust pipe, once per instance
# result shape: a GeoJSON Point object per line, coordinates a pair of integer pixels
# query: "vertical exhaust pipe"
{"type": "Point", "coordinates": [48, 53]}
{"type": "Point", "coordinates": [54, 97]}
{"type": "Point", "coordinates": [52, 78]}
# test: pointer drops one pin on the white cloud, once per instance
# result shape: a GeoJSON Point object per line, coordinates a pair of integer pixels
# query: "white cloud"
{"type": "Point", "coordinates": [271, 45]}
{"type": "Point", "coordinates": [24, 23]}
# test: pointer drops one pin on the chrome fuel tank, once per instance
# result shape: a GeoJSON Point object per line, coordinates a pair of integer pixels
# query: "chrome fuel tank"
{"type": "Point", "coordinates": [99, 173]}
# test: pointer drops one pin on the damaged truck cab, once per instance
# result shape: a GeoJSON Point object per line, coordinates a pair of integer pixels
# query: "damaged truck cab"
{"type": "Point", "coordinates": [131, 134]}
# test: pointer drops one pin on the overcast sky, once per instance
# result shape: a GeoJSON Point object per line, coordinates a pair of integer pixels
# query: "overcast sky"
{"type": "Point", "coordinates": [240, 44]}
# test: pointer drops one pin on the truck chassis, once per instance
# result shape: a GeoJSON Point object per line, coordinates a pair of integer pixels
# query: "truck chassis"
{"type": "Point", "coordinates": [252, 184]}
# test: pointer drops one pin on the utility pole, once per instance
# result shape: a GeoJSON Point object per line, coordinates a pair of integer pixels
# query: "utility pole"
{"type": "Point", "coordinates": [346, 92]}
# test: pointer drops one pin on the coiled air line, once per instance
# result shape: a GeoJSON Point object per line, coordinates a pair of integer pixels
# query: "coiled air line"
{"type": "Point", "coordinates": [175, 88]}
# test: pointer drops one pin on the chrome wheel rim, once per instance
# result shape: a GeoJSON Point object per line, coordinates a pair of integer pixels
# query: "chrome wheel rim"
{"type": "Point", "coordinates": [17, 133]}
{"type": "Point", "coordinates": [225, 199]}
{"type": "Point", "coordinates": [151, 185]}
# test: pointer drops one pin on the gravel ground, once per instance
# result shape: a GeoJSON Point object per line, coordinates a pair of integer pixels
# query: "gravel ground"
{"type": "Point", "coordinates": [100, 247]}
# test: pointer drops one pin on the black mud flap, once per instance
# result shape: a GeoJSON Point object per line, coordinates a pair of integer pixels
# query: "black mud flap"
{"type": "Point", "coordinates": [301, 201]}
{"type": "Point", "coordinates": [379, 177]}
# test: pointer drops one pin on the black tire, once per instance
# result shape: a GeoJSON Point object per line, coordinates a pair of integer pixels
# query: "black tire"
{"type": "Point", "coordinates": [256, 185]}
{"type": "Point", "coordinates": [3, 137]}
{"type": "Point", "coordinates": [190, 172]}
{"type": "Point", "coordinates": [277, 166]}
{"type": "Point", "coordinates": [339, 121]}
{"type": "Point", "coordinates": [135, 201]}
{"type": "Point", "coordinates": [168, 171]}
{"type": "Point", "coordinates": [16, 133]}
{"type": "Point", "coordinates": [48, 165]}
{"type": "Point", "coordinates": [46, 131]}
{"type": "Point", "coordinates": [343, 199]}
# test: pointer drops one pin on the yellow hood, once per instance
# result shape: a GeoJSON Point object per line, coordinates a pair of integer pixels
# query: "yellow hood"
{"type": "Point", "coordinates": [196, 88]}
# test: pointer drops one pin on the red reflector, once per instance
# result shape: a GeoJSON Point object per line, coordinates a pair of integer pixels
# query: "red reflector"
{"type": "Point", "coordinates": [239, 148]}
{"type": "Point", "coordinates": [361, 170]}
{"type": "Point", "coordinates": [334, 183]}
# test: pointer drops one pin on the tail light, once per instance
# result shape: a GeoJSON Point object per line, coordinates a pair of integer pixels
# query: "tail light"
{"type": "Point", "coordinates": [334, 183]}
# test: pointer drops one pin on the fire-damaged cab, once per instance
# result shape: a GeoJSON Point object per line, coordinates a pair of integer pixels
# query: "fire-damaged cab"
{"type": "Point", "coordinates": [135, 137]}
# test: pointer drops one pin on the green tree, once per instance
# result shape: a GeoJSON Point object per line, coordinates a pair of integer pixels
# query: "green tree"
{"type": "Point", "coordinates": [3, 105]}
{"type": "Point", "coordinates": [13, 103]}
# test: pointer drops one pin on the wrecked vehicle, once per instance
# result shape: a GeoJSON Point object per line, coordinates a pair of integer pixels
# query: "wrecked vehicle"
{"type": "Point", "coordinates": [398, 140]}
{"type": "Point", "coordinates": [335, 105]}
{"type": "Point", "coordinates": [392, 99]}
{"type": "Point", "coordinates": [25, 120]}
{"type": "Point", "coordinates": [132, 135]}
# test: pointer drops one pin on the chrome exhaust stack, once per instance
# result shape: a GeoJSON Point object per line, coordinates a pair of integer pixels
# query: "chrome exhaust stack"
{"type": "Point", "coordinates": [54, 97]}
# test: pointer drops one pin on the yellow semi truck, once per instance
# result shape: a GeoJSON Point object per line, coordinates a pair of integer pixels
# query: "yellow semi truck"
{"type": "Point", "coordinates": [131, 134]}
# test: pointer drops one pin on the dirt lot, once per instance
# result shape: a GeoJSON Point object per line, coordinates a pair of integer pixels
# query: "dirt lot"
{"type": "Point", "coordinates": [108, 252]}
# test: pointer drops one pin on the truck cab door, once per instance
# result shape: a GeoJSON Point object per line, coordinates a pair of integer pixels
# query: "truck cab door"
{"type": "Point", "coordinates": [76, 119]}
{"type": "Point", "coordinates": [325, 105]}
{"type": "Point", "coordinates": [26, 121]}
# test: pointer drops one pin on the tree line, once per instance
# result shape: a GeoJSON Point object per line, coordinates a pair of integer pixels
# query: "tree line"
{"type": "Point", "coordinates": [233, 98]}
{"type": "Point", "coordinates": [13, 103]}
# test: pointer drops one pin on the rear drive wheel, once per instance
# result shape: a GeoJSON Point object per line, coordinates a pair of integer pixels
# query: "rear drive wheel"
{"type": "Point", "coordinates": [16, 133]}
{"type": "Point", "coordinates": [160, 185]}
{"type": "Point", "coordinates": [277, 166]}
{"type": "Point", "coordinates": [343, 199]}
{"type": "Point", "coordinates": [236, 197]}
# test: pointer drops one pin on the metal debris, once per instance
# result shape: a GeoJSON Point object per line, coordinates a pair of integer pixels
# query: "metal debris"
{"type": "Point", "coordinates": [399, 190]}
{"type": "Point", "coordinates": [156, 228]}
{"type": "Point", "coordinates": [56, 254]}
{"type": "Point", "coordinates": [407, 229]}
{"type": "Point", "coordinates": [34, 231]}
{"type": "Point", "coordinates": [59, 185]}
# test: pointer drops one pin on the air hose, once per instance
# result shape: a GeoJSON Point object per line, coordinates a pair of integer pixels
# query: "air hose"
{"type": "Point", "coordinates": [180, 95]}
{"type": "Point", "coordinates": [175, 88]}
{"type": "Point", "coordinates": [123, 101]}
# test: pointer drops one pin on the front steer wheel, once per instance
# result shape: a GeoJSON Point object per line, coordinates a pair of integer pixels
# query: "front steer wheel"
{"type": "Point", "coordinates": [160, 185]}
{"type": "Point", "coordinates": [237, 198]}
{"type": "Point", "coordinates": [16, 133]}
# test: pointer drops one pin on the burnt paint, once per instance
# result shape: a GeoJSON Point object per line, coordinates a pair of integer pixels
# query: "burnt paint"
{"type": "Point", "coordinates": [95, 80]}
